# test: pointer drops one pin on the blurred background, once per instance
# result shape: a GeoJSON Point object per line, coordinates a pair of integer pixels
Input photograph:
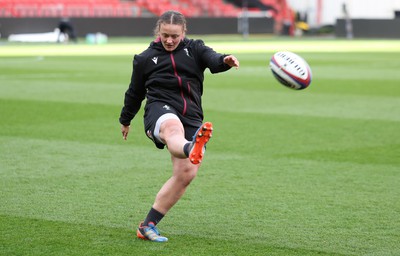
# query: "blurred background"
{"type": "Point", "coordinates": [338, 18]}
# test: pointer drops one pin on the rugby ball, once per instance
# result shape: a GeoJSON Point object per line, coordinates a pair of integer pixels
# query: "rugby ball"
{"type": "Point", "coordinates": [291, 70]}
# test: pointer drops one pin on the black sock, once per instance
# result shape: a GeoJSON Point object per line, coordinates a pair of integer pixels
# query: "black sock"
{"type": "Point", "coordinates": [186, 148]}
{"type": "Point", "coordinates": [153, 216]}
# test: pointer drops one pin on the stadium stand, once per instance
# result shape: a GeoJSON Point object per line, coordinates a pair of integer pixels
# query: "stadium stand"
{"type": "Point", "coordinates": [115, 8]}
{"type": "Point", "coordinates": [279, 10]}
{"type": "Point", "coordinates": [68, 8]}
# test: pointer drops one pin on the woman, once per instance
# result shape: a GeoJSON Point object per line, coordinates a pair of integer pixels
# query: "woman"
{"type": "Point", "coordinates": [170, 74]}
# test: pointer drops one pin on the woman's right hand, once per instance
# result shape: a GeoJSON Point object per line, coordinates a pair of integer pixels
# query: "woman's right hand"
{"type": "Point", "coordinates": [125, 131]}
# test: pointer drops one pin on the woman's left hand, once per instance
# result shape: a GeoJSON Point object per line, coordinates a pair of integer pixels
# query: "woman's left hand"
{"type": "Point", "coordinates": [231, 61]}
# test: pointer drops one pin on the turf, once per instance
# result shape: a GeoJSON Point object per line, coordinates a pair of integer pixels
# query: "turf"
{"type": "Point", "coordinates": [312, 172]}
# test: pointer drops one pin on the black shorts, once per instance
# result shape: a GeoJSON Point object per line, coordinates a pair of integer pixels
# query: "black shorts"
{"type": "Point", "coordinates": [156, 112]}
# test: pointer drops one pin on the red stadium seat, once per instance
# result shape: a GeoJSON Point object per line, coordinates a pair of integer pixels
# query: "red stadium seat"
{"type": "Point", "coordinates": [115, 8]}
{"type": "Point", "coordinates": [72, 8]}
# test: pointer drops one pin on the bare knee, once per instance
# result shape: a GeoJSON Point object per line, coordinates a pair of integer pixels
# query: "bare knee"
{"type": "Point", "coordinates": [170, 130]}
{"type": "Point", "coordinates": [173, 135]}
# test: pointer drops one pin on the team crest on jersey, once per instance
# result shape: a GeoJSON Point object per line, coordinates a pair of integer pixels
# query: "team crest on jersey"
{"type": "Point", "coordinates": [155, 59]}
{"type": "Point", "coordinates": [166, 107]}
{"type": "Point", "coordinates": [187, 52]}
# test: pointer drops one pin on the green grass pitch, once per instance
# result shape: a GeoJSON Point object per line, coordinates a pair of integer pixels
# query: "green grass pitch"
{"type": "Point", "coordinates": [312, 172]}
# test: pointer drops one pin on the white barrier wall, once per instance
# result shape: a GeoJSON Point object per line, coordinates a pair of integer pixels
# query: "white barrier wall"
{"type": "Point", "coordinates": [325, 12]}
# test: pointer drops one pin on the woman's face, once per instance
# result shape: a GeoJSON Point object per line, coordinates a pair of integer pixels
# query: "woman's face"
{"type": "Point", "coordinates": [171, 35]}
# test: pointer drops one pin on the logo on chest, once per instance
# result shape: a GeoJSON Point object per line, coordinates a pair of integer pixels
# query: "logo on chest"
{"type": "Point", "coordinates": [187, 52]}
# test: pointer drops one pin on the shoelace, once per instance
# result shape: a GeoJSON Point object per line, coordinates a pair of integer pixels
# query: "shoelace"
{"type": "Point", "coordinates": [155, 230]}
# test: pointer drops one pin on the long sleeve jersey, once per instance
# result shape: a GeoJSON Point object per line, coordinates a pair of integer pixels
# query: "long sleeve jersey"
{"type": "Point", "coordinates": [175, 78]}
